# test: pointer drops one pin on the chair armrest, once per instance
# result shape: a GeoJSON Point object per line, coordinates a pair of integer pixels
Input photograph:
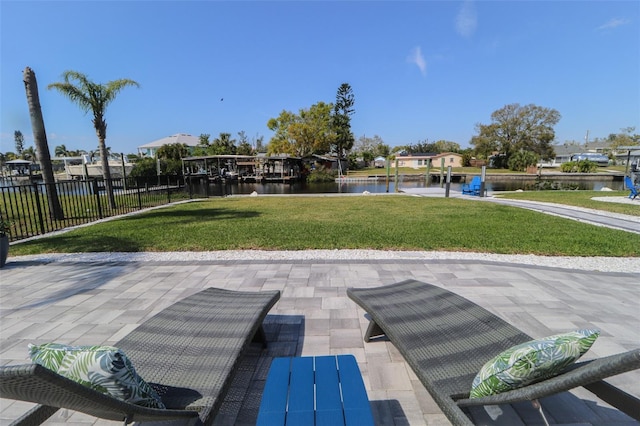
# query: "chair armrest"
{"type": "Point", "coordinates": [580, 374]}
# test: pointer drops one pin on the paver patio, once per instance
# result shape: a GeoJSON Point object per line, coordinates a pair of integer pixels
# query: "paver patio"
{"type": "Point", "coordinates": [98, 303]}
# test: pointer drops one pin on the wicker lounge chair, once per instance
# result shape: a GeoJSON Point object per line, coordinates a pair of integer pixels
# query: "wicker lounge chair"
{"type": "Point", "coordinates": [188, 352]}
{"type": "Point", "coordinates": [446, 339]}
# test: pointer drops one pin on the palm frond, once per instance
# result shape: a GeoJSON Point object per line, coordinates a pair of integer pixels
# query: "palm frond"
{"type": "Point", "coordinates": [75, 92]}
{"type": "Point", "coordinates": [114, 87]}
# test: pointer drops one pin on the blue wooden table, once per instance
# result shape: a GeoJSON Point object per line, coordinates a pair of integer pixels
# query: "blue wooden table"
{"type": "Point", "coordinates": [322, 390]}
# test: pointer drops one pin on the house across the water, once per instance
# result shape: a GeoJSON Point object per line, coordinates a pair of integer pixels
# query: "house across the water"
{"type": "Point", "coordinates": [418, 161]}
{"type": "Point", "coordinates": [245, 168]}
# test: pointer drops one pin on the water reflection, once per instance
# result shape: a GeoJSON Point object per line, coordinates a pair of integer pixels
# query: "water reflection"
{"type": "Point", "coordinates": [380, 187]}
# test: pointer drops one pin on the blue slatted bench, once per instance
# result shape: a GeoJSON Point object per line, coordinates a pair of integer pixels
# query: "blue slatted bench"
{"type": "Point", "coordinates": [322, 390]}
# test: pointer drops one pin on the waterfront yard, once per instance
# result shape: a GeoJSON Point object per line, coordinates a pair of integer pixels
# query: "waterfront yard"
{"type": "Point", "coordinates": [384, 222]}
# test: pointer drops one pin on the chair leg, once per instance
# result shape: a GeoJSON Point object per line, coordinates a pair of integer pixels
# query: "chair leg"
{"type": "Point", "coordinates": [373, 330]}
{"type": "Point", "coordinates": [260, 337]}
{"type": "Point", "coordinates": [536, 404]}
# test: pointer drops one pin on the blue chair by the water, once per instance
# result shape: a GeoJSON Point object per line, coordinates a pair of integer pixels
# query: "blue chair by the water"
{"type": "Point", "coordinates": [631, 187]}
{"type": "Point", "coordinates": [473, 187]}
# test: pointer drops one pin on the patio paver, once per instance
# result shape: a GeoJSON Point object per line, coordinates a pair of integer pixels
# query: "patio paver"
{"type": "Point", "coordinates": [98, 303]}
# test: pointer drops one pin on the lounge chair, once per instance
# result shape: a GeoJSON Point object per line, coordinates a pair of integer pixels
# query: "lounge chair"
{"type": "Point", "coordinates": [446, 339]}
{"type": "Point", "coordinates": [188, 353]}
{"type": "Point", "coordinates": [473, 187]}
{"type": "Point", "coordinates": [634, 189]}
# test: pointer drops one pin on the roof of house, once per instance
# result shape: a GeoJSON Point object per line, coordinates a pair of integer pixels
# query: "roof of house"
{"type": "Point", "coordinates": [444, 154]}
{"type": "Point", "coordinates": [181, 138]}
{"type": "Point", "coordinates": [417, 155]}
{"type": "Point", "coordinates": [427, 155]}
{"type": "Point", "coordinates": [18, 162]}
{"type": "Point", "coordinates": [566, 150]}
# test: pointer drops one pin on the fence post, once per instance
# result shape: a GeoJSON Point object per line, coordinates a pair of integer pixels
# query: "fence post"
{"type": "Point", "coordinates": [38, 207]}
{"type": "Point", "coordinates": [388, 164]}
{"type": "Point", "coordinates": [396, 189]}
{"type": "Point", "coordinates": [483, 177]}
{"type": "Point", "coordinates": [124, 173]}
{"type": "Point", "coordinates": [168, 191]}
{"type": "Point", "coordinates": [139, 196]}
{"type": "Point", "coordinates": [96, 191]}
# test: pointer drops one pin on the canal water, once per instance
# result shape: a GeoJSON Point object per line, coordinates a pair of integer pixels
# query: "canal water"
{"type": "Point", "coordinates": [381, 187]}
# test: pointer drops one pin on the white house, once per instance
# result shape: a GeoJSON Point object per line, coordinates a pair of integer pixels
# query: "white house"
{"type": "Point", "coordinates": [149, 149]}
{"type": "Point", "coordinates": [379, 161]}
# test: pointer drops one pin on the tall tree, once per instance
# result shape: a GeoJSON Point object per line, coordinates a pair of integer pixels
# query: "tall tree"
{"type": "Point", "coordinates": [626, 137]}
{"type": "Point", "coordinates": [312, 130]}
{"type": "Point", "coordinates": [244, 147]}
{"type": "Point", "coordinates": [374, 146]}
{"type": "Point", "coordinates": [40, 140]}
{"type": "Point", "coordinates": [60, 151]}
{"type": "Point", "coordinates": [203, 145]}
{"type": "Point", "coordinates": [519, 128]}
{"type": "Point", "coordinates": [342, 111]}
{"type": "Point", "coordinates": [94, 97]}
{"type": "Point", "coordinates": [282, 142]}
{"type": "Point", "coordinates": [422, 147]}
{"type": "Point", "coordinates": [223, 145]}
{"type": "Point", "coordinates": [173, 151]}
{"type": "Point", "coordinates": [258, 143]}
{"type": "Point", "coordinates": [19, 140]}
{"type": "Point", "coordinates": [171, 156]}
{"type": "Point", "coordinates": [309, 132]}
{"type": "Point", "coordinates": [446, 146]}
{"type": "Point", "coordinates": [30, 154]}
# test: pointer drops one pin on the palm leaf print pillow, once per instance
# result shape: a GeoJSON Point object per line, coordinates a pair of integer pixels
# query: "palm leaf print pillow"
{"type": "Point", "coordinates": [103, 368]}
{"type": "Point", "coordinates": [532, 361]}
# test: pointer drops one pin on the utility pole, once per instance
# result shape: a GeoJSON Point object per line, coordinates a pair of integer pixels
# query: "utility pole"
{"type": "Point", "coordinates": [586, 139]}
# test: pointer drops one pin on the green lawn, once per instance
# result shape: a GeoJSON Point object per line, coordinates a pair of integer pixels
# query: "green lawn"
{"type": "Point", "coordinates": [579, 199]}
{"type": "Point", "coordinates": [353, 222]}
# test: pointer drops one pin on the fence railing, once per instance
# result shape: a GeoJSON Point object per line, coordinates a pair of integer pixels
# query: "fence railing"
{"type": "Point", "coordinates": [31, 211]}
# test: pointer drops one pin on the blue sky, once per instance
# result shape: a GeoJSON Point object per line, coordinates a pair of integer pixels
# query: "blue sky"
{"type": "Point", "coordinates": [418, 69]}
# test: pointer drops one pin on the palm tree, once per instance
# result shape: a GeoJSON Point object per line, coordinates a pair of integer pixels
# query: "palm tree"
{"type": "Point", "coordinates": [61, 151]}
{"type": "Point", "coordinates": [94, 97]}
{"type": "Point", "coordinates": [31, 155]}
{"type": "Point", "coordinates": [40, 140]}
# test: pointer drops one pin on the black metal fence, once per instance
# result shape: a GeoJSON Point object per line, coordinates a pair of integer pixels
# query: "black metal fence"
{"type": "Point", "coordinates": [30, 210]}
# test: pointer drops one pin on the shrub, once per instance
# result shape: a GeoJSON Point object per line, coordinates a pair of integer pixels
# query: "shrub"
{"type": "Point", "coordinates": [5, 227]}
{"type": "Point", "coordinates": [519, 161]}
{"type": "Point", "coordinates": [547, 185]}
{"type": "Point", "coordinates": [146, 167]}
{"type": "Point", "coordinates": [321, 174]}
{"type": "Point", "coordinates": [582, 166]}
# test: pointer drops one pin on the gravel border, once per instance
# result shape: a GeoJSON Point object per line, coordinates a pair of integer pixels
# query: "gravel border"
{"type": "Point", "coordinates": [602, 264]}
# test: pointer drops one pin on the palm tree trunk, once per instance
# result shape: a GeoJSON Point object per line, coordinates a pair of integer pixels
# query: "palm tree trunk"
{"type": "Point", "coordinates": [40, 140]}
{"type": "Point", "coordinates": [101, 131]}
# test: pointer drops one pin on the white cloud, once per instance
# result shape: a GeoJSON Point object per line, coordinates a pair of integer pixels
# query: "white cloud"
{"type": "Point", "coordinates": [467, 19]}
{"type": "Point", "coordinates": [416, 57]}
{"type": "Point", "coordinates": [613, 23]}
